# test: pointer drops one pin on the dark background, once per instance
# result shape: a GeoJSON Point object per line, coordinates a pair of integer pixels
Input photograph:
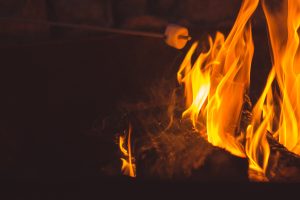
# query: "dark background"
{"type": "Point", "coordinates": [56, 82]}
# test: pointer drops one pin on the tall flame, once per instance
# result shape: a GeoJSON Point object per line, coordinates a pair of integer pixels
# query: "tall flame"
{"type": "Point", "coordinates": [128, 166]}
{"type": "Point", "coordinates": [197, 81]}
{"type": "Point", "coordinates": [257, 146]}
{"type": "Point", "coordinates": [283, 25]}
{"type": "Point", "coordinates": [217, 82]}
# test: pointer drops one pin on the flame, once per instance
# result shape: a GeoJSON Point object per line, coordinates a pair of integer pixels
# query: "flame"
{"type": "Point", "coordinates": [217, 82]}
{"type": "Point", "coordinates": [283, 28]}
{"type": "Point", "coordinates": [257, 146]}
{"type": "Point", "coordinates": [196, 80]}
{"type": "Point", "coordinates": [128, 166]}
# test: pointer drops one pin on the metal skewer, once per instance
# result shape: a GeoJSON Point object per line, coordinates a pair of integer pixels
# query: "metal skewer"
{"type": "Point", "coordinates": [94, 28]}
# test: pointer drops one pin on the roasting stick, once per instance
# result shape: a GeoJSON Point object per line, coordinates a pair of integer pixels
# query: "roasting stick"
{"type": "Point", "coordinates": [175, 36]}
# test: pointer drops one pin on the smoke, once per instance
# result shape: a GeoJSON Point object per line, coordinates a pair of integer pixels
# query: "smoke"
{"type": "Point", "coordinates": [165, 145]}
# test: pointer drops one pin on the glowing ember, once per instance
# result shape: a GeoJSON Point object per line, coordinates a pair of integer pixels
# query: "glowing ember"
{"type": "Point", "coordinates": [128, 165]}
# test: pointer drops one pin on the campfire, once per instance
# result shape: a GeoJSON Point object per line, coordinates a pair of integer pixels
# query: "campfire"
{"type": "Point", "coordinates": [149, 93]}
{"type": "Point", "coordinates": [210, 110]}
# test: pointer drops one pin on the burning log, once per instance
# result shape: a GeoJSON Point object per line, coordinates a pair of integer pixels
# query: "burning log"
{"type": "Point", "coordinates": [172, 152]}
{"type": "Point", "coordinates": [217, 114]}
{"type": "Point", "coordinates": [178, 152]}
{"type": "Point", "coordinates": [284, 165]}
{"type": "Point", "coordinates": [187, 156]}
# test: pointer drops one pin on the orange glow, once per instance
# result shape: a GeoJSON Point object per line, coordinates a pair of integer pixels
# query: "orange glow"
{"type": "Point", "coordinates": [197, 82]}
{"type": "Point", "coordinates": [283, 25]}
{"type": "Point", "coordinates": [257, 146]}
{"type": "Point", "coordinates": [280, 111]}
{"type": "Point", "coordinates": [128, 165]}
{"type": "Point", "coordinates": [216, 83]}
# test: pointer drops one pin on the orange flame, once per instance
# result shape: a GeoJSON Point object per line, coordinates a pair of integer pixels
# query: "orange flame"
{"type": "Point", "coordinates": [257, 146]}
{"type": "Point", "coordinates": [283, 28]}
{"type": "Point", "coordinates": [220, 77]}
{"type": "Point", "coordinates": [128, 166]}
{"type": "Point", "coordinates": [197, 82]}
{"type": "Point", "coordinates": [216, 83]}
{"type": "Point", "coordinates": [284, 36]}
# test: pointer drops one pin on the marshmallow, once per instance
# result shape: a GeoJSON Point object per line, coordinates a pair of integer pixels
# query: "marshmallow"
{"type": "Point", "coordinates": [176, 36]}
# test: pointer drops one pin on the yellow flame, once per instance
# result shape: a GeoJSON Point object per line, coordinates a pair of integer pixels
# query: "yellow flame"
{"type": "Point", "coordinates": [257, 146]}
{"type": "Point", "coordinates": [197, 81]}
{"type": "Point", "coordinates": [216, 83]}
{"type": "Point", "coordinates": [283, 25]}
{"type": "Point", "coordinates": [230, 82]}
{"type": "Point", "coordinates": [128, 166]}
{"type": "Point", "coordinates": [283, 122]}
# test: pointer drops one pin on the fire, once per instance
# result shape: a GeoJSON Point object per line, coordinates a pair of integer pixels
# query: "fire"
{"type": "Point", "coordinates": [280, 110]}
{"type": "Point", "coordinates": [128, 165]}
{"type": "Point", "coordinates": [217, 82]}
{"type": "Point", "coordinates": [257, 146]}
{"type": "Point", "coordinates": [197, 81]}
{"type": "Point", "coordinates": [283, 28]}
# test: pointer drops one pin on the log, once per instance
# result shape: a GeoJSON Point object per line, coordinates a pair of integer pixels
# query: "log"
{"type": "Point", "coordinates": [284, 166]}
{"type": "Point", "coordinates": [178, 152]}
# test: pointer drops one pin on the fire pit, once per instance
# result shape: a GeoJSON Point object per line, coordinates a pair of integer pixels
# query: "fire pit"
{"type": "Point", "coordinates": [222, 106]}
{"type": "Point", "coordinates": [219, 110]}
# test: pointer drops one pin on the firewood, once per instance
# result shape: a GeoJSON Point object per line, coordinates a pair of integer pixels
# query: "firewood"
{"type": "Point", "coordinates": [284, 166]}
